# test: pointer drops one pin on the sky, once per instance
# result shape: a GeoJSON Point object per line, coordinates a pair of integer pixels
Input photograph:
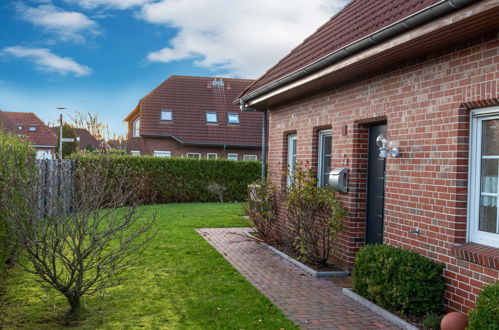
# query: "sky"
{"type": "Point", "coordinates": [102, 56]}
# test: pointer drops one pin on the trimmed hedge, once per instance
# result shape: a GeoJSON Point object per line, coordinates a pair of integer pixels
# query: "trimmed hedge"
{"type": "Point", "coordinates": [14, 154]}
{"type": "Point", "coordinates": [399, 280]}
{"type": "Point", "coordinates": [486, 314]}
{"type": "Point", "coordinates": [173, 180]}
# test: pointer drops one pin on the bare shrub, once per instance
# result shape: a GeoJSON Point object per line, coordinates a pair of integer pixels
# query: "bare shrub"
{"type": "Point", "coordinates": [80, 237]}
{"type": "Point", "coordinates": [316, 216]}
{"type": "Point", "coordinates": [217, 190]}
{"type": "Point", "coordinates": [261, 207]}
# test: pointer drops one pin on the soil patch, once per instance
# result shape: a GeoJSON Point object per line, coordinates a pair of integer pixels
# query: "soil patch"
{"type": "Point", "coordinates": [295, 255]}
{"type": "Point", "coordinates": [342, 281]}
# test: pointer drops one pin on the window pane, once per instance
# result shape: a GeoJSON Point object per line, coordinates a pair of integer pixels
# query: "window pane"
{"type": "Point", "coordinates": [488, 214]}
{"type": "Point", "coordinates": [490, 137]}
{"type": "Point", "coordinates": [489, 175]}
{"type": "Point", "coordinates": [166, 115]}
{"type": "Point", "coordinates": [136, 128]}
{"type": "Point", "coordinates": [326, 159]}
{"type": "Point", "coordinates": [293, 161]}
{"type": "Point", "coordinates": [233, 118]}
{"type": "Point", "coordinates": [211, 117]}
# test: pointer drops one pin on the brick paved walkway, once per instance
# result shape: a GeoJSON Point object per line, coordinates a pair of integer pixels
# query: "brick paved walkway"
{"type": "Point", "coordinates": [310, 302]}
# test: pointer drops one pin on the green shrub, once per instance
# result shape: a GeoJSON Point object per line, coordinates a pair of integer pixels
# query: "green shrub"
{"type": "Point", "coordinates": [14, 155]}
{"type": "Point", "coordinates": [486, 314]}
{"type": "Point", "coordinates": [432, 321]}
{"type": "Point", "coordinates": [316, 216]}
{"type": "Point", "coordinates": [399, 280]}
{"type": "Point", "coordinates": [261, 207]}
{"type": "Point", "coordinates": [171, 180]}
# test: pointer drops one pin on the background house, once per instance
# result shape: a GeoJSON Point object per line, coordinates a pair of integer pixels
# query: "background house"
{"type": "Point", "coordinates": [85, 139]}
{"type": "Point", "coordinates": [6, 124]}
{"type": "Point", "coordinates": [28, 125]}
{"type": "Point", "coordinates": [422, 75]}
{"type": "Point", "coordinates": [194, 117]}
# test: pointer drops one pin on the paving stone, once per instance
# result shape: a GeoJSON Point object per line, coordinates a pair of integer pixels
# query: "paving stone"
{"type": "Point", "coordinates": [310, 302]}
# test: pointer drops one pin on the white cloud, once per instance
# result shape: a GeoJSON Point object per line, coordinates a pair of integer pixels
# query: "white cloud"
{"type": "Point", "coordinates": [66, 25]}
{"type": "Point", "coordinates": [115, 4]}
{"type": "Point", "coordinates": [45, 60]}
{"type": "Point", "coordinates": [241, 38]}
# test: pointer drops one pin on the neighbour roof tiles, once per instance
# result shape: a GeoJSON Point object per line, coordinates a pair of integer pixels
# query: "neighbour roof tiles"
{"type": "Point", "coordinates": [189, 98]}
{"type": "Point", "coordinates": [356, 20]}
{"type": "Point", "coordinates": [41, 135]}
{"type": "Point", "coordinates": [6, 124]}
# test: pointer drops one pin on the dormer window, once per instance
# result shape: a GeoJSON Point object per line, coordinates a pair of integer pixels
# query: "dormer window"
{"type": "Point", "coordinates": [166, 115]}
{"type": "Point", "coordinates": [233, 118]}
{"type": "Point", "coordinates": [211, 117]}
{"type": "Point", "coordinates": [32, 128]}
{"type": "Point", "coordinates": [20, 127]}
{"type": "Point", "coordinates": [136, 128]}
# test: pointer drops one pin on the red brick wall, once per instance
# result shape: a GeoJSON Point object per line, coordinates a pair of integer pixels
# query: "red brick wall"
{"type": "Point", "coordinates": [147, 146]}
{"type": "Point", "coordinates": [426, 106]}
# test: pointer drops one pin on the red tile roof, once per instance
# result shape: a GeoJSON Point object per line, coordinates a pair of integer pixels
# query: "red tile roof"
{"type": "Point", "coordinates": [190, 98]}
{"type": "Point", "coordinates": [86, 139]}
{"type": "Point", "coordinates": [355, 21]}
{"type": "Point", "coordinates": [6, 124]}
{"type": "Point", "coordinates": [43, 136]}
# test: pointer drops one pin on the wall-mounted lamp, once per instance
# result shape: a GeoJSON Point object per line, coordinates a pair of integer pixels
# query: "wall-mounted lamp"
{"type": "Point", "coordinates": [384, 148]}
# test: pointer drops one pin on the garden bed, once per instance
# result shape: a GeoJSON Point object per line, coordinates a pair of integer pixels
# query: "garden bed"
{"type": "Point", "coordinates": [403, 321]}
{"type": "Point", "coordinates": [329, 271]}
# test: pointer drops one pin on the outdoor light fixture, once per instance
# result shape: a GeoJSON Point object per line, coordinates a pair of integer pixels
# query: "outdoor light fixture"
{"type": "Point", "coordinates": [384, 148]}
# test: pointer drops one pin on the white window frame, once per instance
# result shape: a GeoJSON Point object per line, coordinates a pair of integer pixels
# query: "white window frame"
{"type": "Point", "coordinates": [136, 128]}
{"type": "Point", "coordinates": [168, 114]}
{"type": "Point", "coordinates": [233, 122]}
{"type": "Point", "coordinates": [254, 158]}
{"type": "Point", "coordinates": [162, 154]}
{"type": "Point", "coordinates": [208, 113]}
{"type": "Point", "coordinates": [189, 154]}
{"type": "Point", "coordinates": [211, 154]}
{"type": "Point", "coordinates": [474, 234]}
{"type": "Point", "coordinates": [291, 153]}
{"type": "Point", "coordinates": [320, 155]}
{"type": "Point", "coordinates": [135, 152]}
{"type": "Point", "coordinates": [236, 156]}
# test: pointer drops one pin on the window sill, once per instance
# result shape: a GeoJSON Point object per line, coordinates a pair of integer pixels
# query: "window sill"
{"type": "Point", "coordinates": [483, 255]}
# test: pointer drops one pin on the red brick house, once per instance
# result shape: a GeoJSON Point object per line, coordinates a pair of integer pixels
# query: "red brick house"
{"type": "Point", "coordinates": [6, 124]}
{"type": "Point", "coordinates": [28, 125]}
{"type": "Point", "coordinates": [423, 75]}
{"type": "Point", "coordinates": [194, 117]}
{"type": "Point", "coordinates": [86, 141]}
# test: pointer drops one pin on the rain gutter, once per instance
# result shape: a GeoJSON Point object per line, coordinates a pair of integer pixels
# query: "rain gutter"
{"type": "Point", "coordinates": [419, 18]}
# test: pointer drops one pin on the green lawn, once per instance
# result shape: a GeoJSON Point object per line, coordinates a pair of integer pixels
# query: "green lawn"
{"type": "Point", "coordinates": [180, 282]}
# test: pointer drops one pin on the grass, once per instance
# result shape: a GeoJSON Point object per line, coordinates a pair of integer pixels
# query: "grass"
{"type": "Point", "coordinates": [180, 282]}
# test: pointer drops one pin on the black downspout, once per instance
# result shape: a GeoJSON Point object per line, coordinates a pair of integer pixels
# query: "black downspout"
{"type": "Point", "coordinates": [264, 144]}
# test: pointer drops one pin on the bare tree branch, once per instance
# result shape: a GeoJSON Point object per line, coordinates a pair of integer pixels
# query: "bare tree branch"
{"type": "Point", "coordinates": [82, 236]}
